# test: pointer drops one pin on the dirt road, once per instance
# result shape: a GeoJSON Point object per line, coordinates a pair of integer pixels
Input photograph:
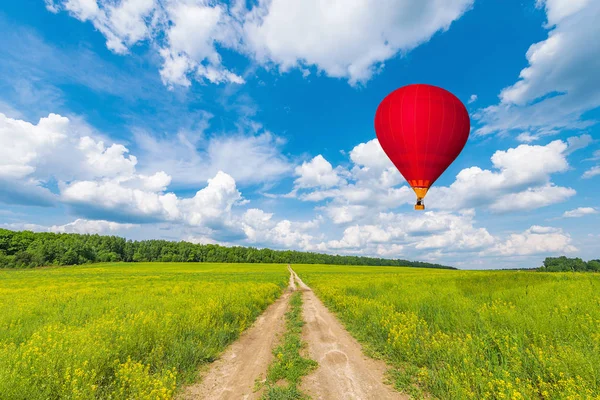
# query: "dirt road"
{"type": "Point", "coordinates": [344, 372]}
{"type": "Point", "coordinates": [233, 375]}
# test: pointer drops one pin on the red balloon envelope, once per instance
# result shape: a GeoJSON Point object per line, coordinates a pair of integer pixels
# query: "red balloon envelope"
{"type": "Point", "coordinates": [422, 129]}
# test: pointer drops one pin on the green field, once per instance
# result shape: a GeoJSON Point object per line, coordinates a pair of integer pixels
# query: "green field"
{"type": "Point", "coordinates": [123, 331]}
{"type": "Point", "coordinates": [141, 330]}
{"type": "Point", "coordinates": [471, 334]}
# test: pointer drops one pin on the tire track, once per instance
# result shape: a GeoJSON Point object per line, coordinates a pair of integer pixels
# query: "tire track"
{"type": "Point", "coordinates": [344, 372]}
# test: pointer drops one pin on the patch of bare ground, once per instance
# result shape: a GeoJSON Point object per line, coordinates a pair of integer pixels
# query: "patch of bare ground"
{"type": "Point", "coordinates": [344, 372]}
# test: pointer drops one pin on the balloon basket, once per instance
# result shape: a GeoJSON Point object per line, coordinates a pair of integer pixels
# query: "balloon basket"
{"type": "Point", "coordinates": [419, 207]}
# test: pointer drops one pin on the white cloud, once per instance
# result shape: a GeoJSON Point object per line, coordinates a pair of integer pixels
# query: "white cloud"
{"type": "Point", "coordinates": [90, 226]}
{"type": "Point", "coordinates": [345, 39]}
{"type": "Point", "coordinates": [357, 192]}
{"type": "Point", "coordinates": [82, 226]}
{"type": "Point", "coordinates": [50, 6]}
{"type": "Point", "coordinates": [260, 228]}
{"type": "Point", "coordinates": [348, 39]}
{"type": "Point", "coordinates": [65, 149]}
{"type": "Point", "coordinates": [363, 198]}
{"type": "Point", "coordinates": [23, 143]}
{"type": "Point", "coordinates": [25, 193]}
{"type": "Point", "coordinates": [123, 24]}
{"type": "Point", "coordinates": [595, 156]}
{"type": "Point", "coordinates": [119, 201]}
{"type": "Point", "coordinates": [191, 157]}
{"type": "Point", "coordinates": [185, 33]}
{"type": "Point", "coordinates": [317, 172]}
{"type": "Point", "coordinates": [590, 173]}
{"type": "Point", "coordinates": [344, 213]}
{"type": "Point", "coordinates": [520, 181]}
{"type": "Point", "coordinates": [472, 99]}
{"type": "Point", "coordinates": [578, 142]}
{"type": "Point", "coordinates": [535, 240]}
{"type": "Point", "coordinates": [56, 145]}
{"type": "Point", "coordinates": [54, 148]}
{"type": "Point", "coordinates": [100, 181]}
{"type": "Point", "coordinates": [420, 234]}
{"type": "Point", "coordinates": [193, 32]}
{"type": "Point", "coordinates": [373, 165]}
{"type": "Point", "coordinates": [533, 198]}
{"type": "Point", "coordinates": [580, 212]}
{"type": "Point", "coordinates": [357, 237]}
{"type": "Point", "coordinates": [562, 81]}
{"type": "Point", "coordinates": [212, 205]}
{"type": "Point", "coordinates": [107, 161]}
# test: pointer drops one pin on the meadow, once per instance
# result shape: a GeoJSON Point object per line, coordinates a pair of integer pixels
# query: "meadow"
{"type": "Point", "coordinates": [472, 334]}
{"type": "Point", "coordinates": [123, 331]}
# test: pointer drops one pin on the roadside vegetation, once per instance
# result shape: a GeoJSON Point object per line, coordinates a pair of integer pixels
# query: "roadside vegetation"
{"type": "Point", "coordinates": [289, 366]}
{"type": "Point", "coordinates": [27, 249]}
{"type": "Point", "coordinates": [472, 334]}
{"type": "Point", "coordinates": [123, 331]}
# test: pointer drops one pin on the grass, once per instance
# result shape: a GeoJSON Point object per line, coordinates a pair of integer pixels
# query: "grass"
{"type": "Point", "coordinates": [288, 368]}
{"type": "Point", "coordinates": [472, 334]}
{"type": "Point", "coordinates": [123, 331]}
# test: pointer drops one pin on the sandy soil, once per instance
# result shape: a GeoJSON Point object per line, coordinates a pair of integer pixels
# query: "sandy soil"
{"type": "Point", "coordinates": [344, 372]}
{"type": "Point", "coordinates": [292, 284]}
{"type": "Point", "coordinates": [234, 374]}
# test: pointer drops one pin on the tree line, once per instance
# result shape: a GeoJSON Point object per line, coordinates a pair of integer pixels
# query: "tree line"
{"type": "Point", "coordinates": [564, 264]}
{"type": "Point", "coordinates": [26, 249]}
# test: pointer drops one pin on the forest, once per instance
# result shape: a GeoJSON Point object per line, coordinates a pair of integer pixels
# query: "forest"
{"type": "Point", "coordinates": [26, 249]}
{"type": "Point", "coordinates": [564, 264]}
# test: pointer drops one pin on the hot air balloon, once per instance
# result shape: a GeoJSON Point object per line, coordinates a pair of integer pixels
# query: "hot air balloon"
{"type": "Point", "coordinates": [422, 129]}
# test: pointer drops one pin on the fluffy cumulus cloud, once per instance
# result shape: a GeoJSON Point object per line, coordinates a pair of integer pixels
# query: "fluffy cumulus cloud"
{"type": "Point", "coordinates": [520, 180]}
{"type": "Point", "coordinates": [354, 193]}
{"type": "Point", "coordinates": [580, 212]}
{"type": "Point", "coordinates": [52, 145]}
{"type": "Point", "coordinates": [34, 154]}
{"type": "Point", "coordinates": [144, 199]}
{"type": "Point", "coordinates": [317, 172]}
{"type": "Point", "coordinates": [261, 228]}
{"type": "Point", "coordinates": [423, 234]}
{"type": "Point", "coordinates": [193, 29]}
{"type": "Point", "coordinates": [560, 83]}
{"type": "Point", "coordinates": [100, 181]}
{"type": "Point", "coordinates": [348, 39]}
{"type": "Point", "coordinates": [535, 240]}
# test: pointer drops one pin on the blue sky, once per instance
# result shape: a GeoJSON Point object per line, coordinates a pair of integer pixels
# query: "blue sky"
{"type": "Point", "coordinates": [251, 123]}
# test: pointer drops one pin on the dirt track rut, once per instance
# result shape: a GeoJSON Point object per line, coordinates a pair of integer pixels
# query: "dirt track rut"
{"type": "Point", "coordinates": [344, 372]}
